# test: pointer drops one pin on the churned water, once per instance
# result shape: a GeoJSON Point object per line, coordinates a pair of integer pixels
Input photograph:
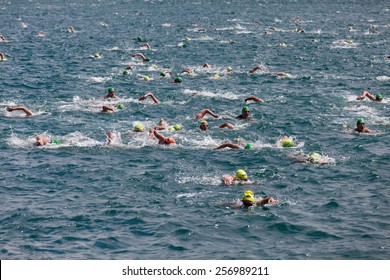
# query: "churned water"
{"type": "Point", "coordinates": [135, 199]}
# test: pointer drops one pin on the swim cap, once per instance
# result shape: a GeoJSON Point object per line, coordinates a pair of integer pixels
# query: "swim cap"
{"type": "Point", "coordinates": [245, 108]}
{"type": "Point", "coordinates": [248, 146]}
{"type": "Point", "coordinates": [177, 126]}
{"type": "Point", "coordinates": [110, 89]}
{"type": "Point", "coordinates": [360, 120]}
{"type": "Point", "coordinates": [147, 58]}
{"type": "Point", "coordinates": [138, 128]}
{"type": "Point", "coordinates": [248, 196]}
{"type": "Point", "coordinates": [121, 106]}
{"type": "Point", "coordinates": [139, 38]}
{"type": "Point", "coordinates": [96, 55]}
{"type": "Point", "coordinates": [203, 121]}
{"type": "Point", "coordinates": [126, 72]}
{"type": "Point", "coordinates": [170, 140]}
{"type": "Point", "coordinates": [178, 80]}
{"type": "Point", "coordinates": [162, 74]}
{"type": "Point", "coordinates": [170, 128]}
{"type": "Point", "coordinates": [241, 175]}
{"type": "Point", "coordinates": [287, 143]}
{"type": "Point", "coordinates": [378, 96]}
{"type": "Point", "coordinates": [187, 38]}
{"type": "Point", "coordinates": [146, 78]}
{"type": "Point", "coordinates": [229, 69]}
{"type": "Point", "coordinates": [55, 141]}
{"type": "Point", "coordinates": [216, 76]}
{"type": "Point", "coordinates": [314, 157]}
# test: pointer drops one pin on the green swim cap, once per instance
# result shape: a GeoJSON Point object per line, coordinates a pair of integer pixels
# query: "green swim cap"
{"type": "Point", "coordinates": [287, 143]}
{"type": "Point", "coordinates": [178, 80]}
{"type": "Point", "coordinates": [110, 89]}
{"type": "Point", "coordinates": [245, 108]}
{"type": "Point", "coordinates": [147, 58]}
{"type": "Point", "coordinates": [248, 146]}
{"type": "Point", "coordinates": [177, 126]}
{"type": "Point", "coordinates": [360, 120]}
{"type": "Point", "coordinates": [314, 157]}
{"type": "Point", "coordinates": [139, 38]}
{"type": "Point", "coordinates": [162, 74]}
{"type": "Point", "coordinates": [248, 196]}
{"type": "Point", "coordinates": [126, 72]}
{"type": "Point", "coordinates": [378, 96]}
{"type": "Point", "coordinates": [121, 106]}
{"type": "Point", "coordinates": [55, 141]}
{"type": "Point", "coordinates": [241, 175]}
{"type": "Point", "coordinates": [138, 128]}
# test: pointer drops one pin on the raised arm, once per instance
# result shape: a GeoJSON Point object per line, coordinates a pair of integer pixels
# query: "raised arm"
{"type": "Point", "coordinates": [228, 145]}
{"type": "Point", "coordinates": [264, 201]}
{"type": "Point", "coordinates": [204, 112]}
{"type": "Point", "coordinates": [253, 98]}
{"type": "Point", "coordinates": [254, 69]}
{"type": "Point", "coordinates": [151, 96]}
{"type": "Point", "coordinates": [21, 108]}
{"type": "Point", "coordinates": [158, 135]}
{"type": "Point", "coordinates": [144, 58]}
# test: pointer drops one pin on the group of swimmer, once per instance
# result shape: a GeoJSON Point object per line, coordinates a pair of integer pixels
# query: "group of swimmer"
{"type": "Point", "coordinates": [241, 177]}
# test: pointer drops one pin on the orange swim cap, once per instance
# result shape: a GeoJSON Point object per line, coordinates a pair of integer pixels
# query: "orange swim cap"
{"type": "Point", "coordinates": [170, 140]}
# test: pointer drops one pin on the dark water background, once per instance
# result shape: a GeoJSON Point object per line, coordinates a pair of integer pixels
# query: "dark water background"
{"type": "Point", "coordinates": [138, 200]}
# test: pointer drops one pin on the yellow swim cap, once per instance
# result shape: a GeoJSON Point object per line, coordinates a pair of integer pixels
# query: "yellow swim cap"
{"type": "Point", "coordinates": [287, 143]}
{"type": "Point", "coordinates": [139, 128]}
{"type": "Point", "coordinates": [177, 126]}
{"type": "Point", "coordinates": [171, 128]}
{"type": "Point", "coordinates": [241, 175]}
{"type": "Point", "coordinates": [314, 157]}
{"type": "Point", "coordinates": [146, 78]}
{"type": "Point", "coordinates": [248, 196]}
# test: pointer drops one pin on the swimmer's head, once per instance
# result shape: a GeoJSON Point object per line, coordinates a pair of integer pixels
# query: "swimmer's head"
{"type": "Point", "coordinates": [379, 97]}
{"type": "Point", "coordinates": [169, 141]}
{"type": "Point", "coordinates": [241, 175]}
{"type": "Point", "coordinates": [146, 78]}
{"type": "Point", "coordinates": [55, 141]}
{"type": "Point", "coordinates": [245, 108]}
{"type": "Point", "coordinates": [147, 58]}
{"type": "Point", "coordinates": [204, 125]}
{"type": "Point", "coordinates": [96, 55]}
{"type": "Point", "coordinates": [177, 126]}
{"type": "Point", "coordinates": [120, 106]}
{"type": "Point", "coordinates": [229, 69]}
{"type": "Point", "coordinates": [314, 157]}
{"type": "Point", "coordinates": [248, 146]}
{"type": "Point", "coordinates": [110, 89]}
{"type": "Point", "coordinates": [126, 72]}
{"type": "Point", "coordinates": [138, 128]}
{"type": "Point", "coordinates": [162, 74]}
{"type": "Point", "coordinates": [248, 198]}
{"type": "Point", "coordinates": [178, 80]}
{"type": "Point", "coordinates": [287, 143]}
{"type": "Point", "coordinates": [360, 121]}
{"type": "Point", "coordinates": [140, 39]}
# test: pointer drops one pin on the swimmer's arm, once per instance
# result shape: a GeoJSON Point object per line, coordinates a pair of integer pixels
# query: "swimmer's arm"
{"type": "Point", "coordinates": [187, 70]}
{"type": "Point", "coordinates": [204, 112]}
{"type": "Point", "coordinates": [151, 96]}
{"type": "Point", "coordinates": [264, 201]}
{"type": "Point", "coordinates": [146, 45]}
{"type": "Point", "coordinates": [227, 124]}
{"type": "Point", "coordinates": [228, 145]}
{"type": "Point", "coordinates": [254, 69]}
{"type": "Point", "coordinates": [253, 98]}
{"type": "Point", "coordinates": [158, 135]}
{"type": "Point", "coordinates": [21, 108]}
{"type": "Point", "coordinates": [140, 55]}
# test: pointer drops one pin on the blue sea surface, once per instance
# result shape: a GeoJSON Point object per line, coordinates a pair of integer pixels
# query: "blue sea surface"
{"type": "Point", "coordinates": [135, 199]}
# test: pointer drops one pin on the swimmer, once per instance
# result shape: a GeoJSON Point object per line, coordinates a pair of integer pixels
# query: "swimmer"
{"type": "Point", "coordinates": [361, 126]}
{"type": "Point", "coordinates": [28, 112]}
{"type": "Point", "coordinates": [129, 68]}
{"type": "Point", "coordinates": [229, 69]}
{"type": "Point", "coordinates": [146, 45]}
{"type": "Point", "coordinates": [2, 56]}
{"type": "Point", "coordinates": [188, 71]}
{"type": "Point", "coordinates": [378, 97]}
{"type": "Point", "coordinates": [95, 56]}
{"type": "Point", "coordinates": [151, 95]}
{"type": "Point", "coordinates": [110, 137]}
{"type": "Point", "coordinates": [264, 70]}
{"type": "Point", "coordinates": [258, 67]}
{"type": "Point", "coordinates": [286, 142]}
{"type": "Point", "coordinates": [138, 128]}
{"type": "Point", "coordinates": [227, 124]}
{"type": "Point", "coordinates": [144, 58]}
{"type": "Point", "coordinates": [234, 146]}
{"type": "Point", "coordinates": [41, 34]}
{"type": "Point", "coordinates": [204, 112]}
{"type": "Point", "coordinates": [110, 93]}
{"type": "Point", "coordinates": [42, 141]}
{"type": "Point", "coordinates": [206, 65]}
{"type": "Point", "coordinates": [204, 125]}
{"type": "Point", "coordinates": [177, 80]}
{"type": "Point", "coordinates": [162, 140]}
{"type": "Point", "coordinates": [2, 38]}
{"type": "Point", "coordinates": [108, 109]}
{"type": "Point", "coordinates": [240, 176]}
{"type": "Point", "coordinates": [253, 98]}
{"type": "Point", "coordinates": [245, 113]}
{"type": "Point", "coordinates": [249, 200]}
{"type": "Point", "coordinates": [71, 29]}
{"type": "Point", "coordinates": [312, 158]}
